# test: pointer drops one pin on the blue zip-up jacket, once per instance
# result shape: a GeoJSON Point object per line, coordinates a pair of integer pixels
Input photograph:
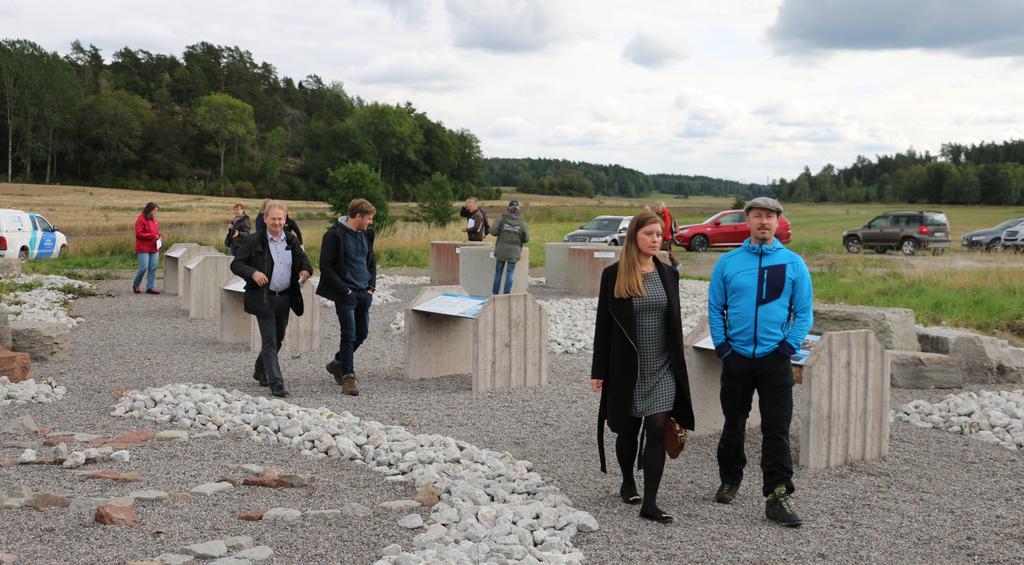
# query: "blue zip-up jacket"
{"type": "Point", "coordinates": [759, 301]}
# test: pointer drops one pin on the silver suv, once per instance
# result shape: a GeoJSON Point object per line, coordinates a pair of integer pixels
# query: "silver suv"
{"type": "Point", "coordinates": [1013, 238]}
{"type": "Point", "coordinates": [906, 231]}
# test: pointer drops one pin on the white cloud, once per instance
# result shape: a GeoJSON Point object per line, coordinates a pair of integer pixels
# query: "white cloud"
{"type": "Point", "coordinates": [648, 50]}
{"type": "Point", "coordinates": [413, 70]}
{"type": "Point", "coordinates": [502, 26]}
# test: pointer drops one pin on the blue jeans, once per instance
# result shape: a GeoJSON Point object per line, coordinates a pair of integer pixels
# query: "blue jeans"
{"type": "Point", "coordinates": [509, 271]}
{"type": "Point", "coordinates": [354, 318]}
{"type": "Point", "coordinates": [147, 265]}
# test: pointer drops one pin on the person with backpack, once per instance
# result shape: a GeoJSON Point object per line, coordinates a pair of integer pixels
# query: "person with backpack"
{"type": "Point", "coordinates": [476, 226]}
{"type": "Point", "coordinates": [512, 233]}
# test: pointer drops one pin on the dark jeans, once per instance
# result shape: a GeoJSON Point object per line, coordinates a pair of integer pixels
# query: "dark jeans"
{"type": "Point", "coordinates": [354, 318]}
{"type": "Point", "coordinates": [273, 321]}
{"type": "Point", "coordinates": [772, 378]}
{"type": "Point", "coordinates": [510, 269]}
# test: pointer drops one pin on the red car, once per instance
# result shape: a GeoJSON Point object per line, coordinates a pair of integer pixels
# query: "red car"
{"type": "Point", "coordinates": [724, 229]}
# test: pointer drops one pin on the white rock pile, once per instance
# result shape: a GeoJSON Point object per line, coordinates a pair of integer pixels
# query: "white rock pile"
{"type": "Point", "coordinates": [45, 303]}
{"type": "Point", "coordinates": [42, 392]}
{"type": "Point", "coordinates": [571, 320]}
{"type": "Point", "coordinates": [493, 507]}
{"type": "Point", "coordinates": [992, 417]}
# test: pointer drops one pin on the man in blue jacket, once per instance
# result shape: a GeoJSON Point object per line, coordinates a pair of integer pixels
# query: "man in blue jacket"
{"type": "Point", "coordinates": [759, 311]}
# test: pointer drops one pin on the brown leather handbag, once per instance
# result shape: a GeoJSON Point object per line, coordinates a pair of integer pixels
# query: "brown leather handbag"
{"type": "Point", "coordinates": [675, 438]}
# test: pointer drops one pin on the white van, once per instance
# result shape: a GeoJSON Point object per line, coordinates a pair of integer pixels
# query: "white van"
{"type": "Point", "coordinates": [27, 235]}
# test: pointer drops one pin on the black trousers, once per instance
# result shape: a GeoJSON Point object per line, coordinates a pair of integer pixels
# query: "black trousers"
{"type": "Point", "coordinates": [772, 377]}
{"type": "Point", "coordinates": [273, 321]}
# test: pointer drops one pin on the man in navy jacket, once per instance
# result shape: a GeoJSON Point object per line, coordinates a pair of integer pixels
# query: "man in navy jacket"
{"type": "Point", "coordinates": [759, 312]}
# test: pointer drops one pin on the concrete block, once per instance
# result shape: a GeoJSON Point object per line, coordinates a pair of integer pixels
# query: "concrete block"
{"type": "Point", "coordinates": [476, 271]}
{"type": "Point", "coordinates": [192, 257]}
{"type": "Point", "coordinates": [844, 417]}
{"type": "Point", "coordinates": [234, 325]}
{"type": "Point", "coordinates": [42, 340]}
{"type": "Point", "coordinates": [444, 260]}
{"type": "Point", "coordinates": [556, 262]}
{"type": "Point", "coordinates": [510, 346]}
{"type": "Point", "coordinates": [586, 264]}
{"type": "Point", "coordinates": [10, 265]}
{"type": "Point", "coordinates": [704, 370]}
{"type": "Point", "coordinates": [914, 369]}
{"type": "Point", "coordinates": [207, 281]}
{"type": "Point", "coordinates": [5, 328]}
{"type": "Point", "coordinates": [504, 347]}
{"type": "Point", "coordinates": [893, 327]}
{"type": "Point", "coordinates": [16, 366]}
{"type": "Point", "coordinates": [939, 339]}
{"type": "Point", "coordinates": [303, 333]}
{"type": "Point", "coordinates": [981, 358]}
{"type": "Point", "coordinates": [173, 264]}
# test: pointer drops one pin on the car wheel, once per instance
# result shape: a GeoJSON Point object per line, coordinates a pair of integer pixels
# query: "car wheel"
{"type": "Point", "coordinates": [699, 243]}
{"type": "Point", "coordinates": [613, 242]}
{"type": "Point", "coordinates": [23, 254]}
{"type": "Point", "coordinates": [908, 246]}
{"type": "Point", "coordinates": [853, 245]}
{"type": "Point", "coordinates": [995, 246]}
{"type": "Point", "coordinates": [63, 251]}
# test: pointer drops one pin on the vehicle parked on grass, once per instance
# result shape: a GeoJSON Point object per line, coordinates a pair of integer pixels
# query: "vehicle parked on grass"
{"type": "Point", "coordinates": [724, 229]}
{"type": "Point", "coordinates": [1013, 238]}
{"type": "Point", "coordinates": [906, 231]}
{"type": "Point", "coordinates": [988, 239]}
{"type": "Point", "coordinates": [27, 235]}
{"type": "Point", "coordinates": [602, 229]}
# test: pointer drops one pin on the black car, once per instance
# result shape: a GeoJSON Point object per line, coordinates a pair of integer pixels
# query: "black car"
{"type": "Point", "coordinates": [989, 239]}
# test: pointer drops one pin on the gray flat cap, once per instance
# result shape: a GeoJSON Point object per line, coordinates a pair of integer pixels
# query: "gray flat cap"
{"type": "Point", "coordinates": [765, 203]}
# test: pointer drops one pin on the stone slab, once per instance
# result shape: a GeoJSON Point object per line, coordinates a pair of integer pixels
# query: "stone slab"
{"type": "Point", "coordinates": [893, 327]}
{"type": "Point", "coordinates": [43, 340]}
{"type": "Point", "coordinates": [16, 366]}
{"type": "Point", "coordinates": [915, 369]}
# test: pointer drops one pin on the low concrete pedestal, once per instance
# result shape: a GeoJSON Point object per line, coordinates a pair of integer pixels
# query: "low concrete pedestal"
{"type": "Point", "coordinates": [303, 333]}
{"type": "Point", "coordinates": [185, 279]}
{"type": "Point", "coordinates": [173, 264]}
{"type": "Point", "coordinates": [234, 325]}
{"type": "Point", "coordinates": [557, 272]}
{"type": "Point", "coordinates": [476, 271]}
{"type": "Point", "coordinates": [587, 263]}
{"type": "Point", "coordinates": [444, 260]}
{"type": "Point", "coordinates": [704, 370]}
{"type": "Point", "coordinates": [207, 280]}
{"type": "Point", "coordinates": [504, 347]}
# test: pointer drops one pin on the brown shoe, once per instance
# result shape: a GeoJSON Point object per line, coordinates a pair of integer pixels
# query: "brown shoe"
{"type": "Point", "coordinates": [349, 385]}
{"type": "Point", "coordinates": [334, 368]}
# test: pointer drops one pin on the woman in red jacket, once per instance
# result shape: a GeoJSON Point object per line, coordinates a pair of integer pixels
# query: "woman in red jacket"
{"type": "Point", "coordinates": [147, 233]}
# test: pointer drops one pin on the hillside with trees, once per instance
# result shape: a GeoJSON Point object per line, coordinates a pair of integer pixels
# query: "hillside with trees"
{"type": "Point", "coordinates": [212, 121]}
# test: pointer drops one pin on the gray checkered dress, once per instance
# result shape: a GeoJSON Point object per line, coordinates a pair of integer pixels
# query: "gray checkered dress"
{"type": "Point", "coordinates": [655, 389]}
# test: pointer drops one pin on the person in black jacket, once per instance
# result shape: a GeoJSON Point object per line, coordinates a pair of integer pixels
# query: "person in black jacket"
{"type": "Point", "coordinates": [273, 266]}
{"type": "Point", "coordinates": [238, 228]}
{"type": "Point", "coordinates": [348, 276]}
{"type": "Point", "coordinates": [638, 363]}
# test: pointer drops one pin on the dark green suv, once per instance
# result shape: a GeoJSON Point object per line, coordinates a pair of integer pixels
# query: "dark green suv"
{"type": "Point", "coordinates": [906, 231]}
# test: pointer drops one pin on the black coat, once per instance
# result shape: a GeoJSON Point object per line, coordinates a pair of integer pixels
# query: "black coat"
{"type": "Point", "coordinates": [254, 255]}
{"type": "Point", "coordinates": [332, 263]}
{"type": "Point", "coordinates": [615, 353]}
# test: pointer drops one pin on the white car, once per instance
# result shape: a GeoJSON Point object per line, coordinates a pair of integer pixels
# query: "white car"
{"type": "Point", "coordinates": [27, 235]}
{"type": "Point", "coordinates": [1013, 238]}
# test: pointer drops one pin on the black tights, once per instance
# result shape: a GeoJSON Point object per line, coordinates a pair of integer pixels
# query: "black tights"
{"type": "Point", "coordinates": [653, 458]}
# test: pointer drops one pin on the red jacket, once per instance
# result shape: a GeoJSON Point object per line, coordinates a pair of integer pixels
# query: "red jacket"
{"type": "Point", "coordinates": [666, 224]}
{"type": "Point", "coordinates": [146, 234]}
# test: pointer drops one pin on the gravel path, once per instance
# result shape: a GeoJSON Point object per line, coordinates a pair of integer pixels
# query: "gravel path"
{"type": "Point", "coordinates": [939, 497]}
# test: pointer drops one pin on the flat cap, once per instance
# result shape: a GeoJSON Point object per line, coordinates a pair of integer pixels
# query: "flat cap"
{"type": "Point", "coordinates": [765, 203]}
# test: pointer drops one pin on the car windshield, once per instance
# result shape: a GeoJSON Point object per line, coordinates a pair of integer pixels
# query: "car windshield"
{"type": "Point", "coordinates": [935, 220]}
{"type": "Point", "coordinates": [603, 224]}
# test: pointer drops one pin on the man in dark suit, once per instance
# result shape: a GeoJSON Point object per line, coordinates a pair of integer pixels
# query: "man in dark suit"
{"type": "Point", "coordinates": [273, 266]}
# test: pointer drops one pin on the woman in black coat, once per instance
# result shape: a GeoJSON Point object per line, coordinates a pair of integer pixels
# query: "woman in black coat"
{"type": "Point", "coordinates": [638, 361]}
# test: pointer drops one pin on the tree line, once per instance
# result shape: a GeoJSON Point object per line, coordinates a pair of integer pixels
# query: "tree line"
{"type": "Point", "coordinates": [987, 173]}
{"type": "Point", "coordinates": [214, 121]}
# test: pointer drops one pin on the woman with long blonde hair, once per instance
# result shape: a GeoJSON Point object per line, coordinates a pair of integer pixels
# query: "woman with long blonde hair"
{"type": "Point", "coordinates": [638, 364]}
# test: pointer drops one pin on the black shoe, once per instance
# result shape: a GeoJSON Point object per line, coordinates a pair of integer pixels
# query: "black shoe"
{"type": "Point", "coordinates": [726, 493]}
{"type": "Point", "coordinates": [334, 368]}
{"type": "Point", "coordinates": [629, 495]}
{"type": "Point", "coordinates": [261, 379]}
{"type": "Point", "coordinates": [279, 392]}
{"type": "Point", "coordinates": [779, 508]}
{"type": "Point", "coordinates": [656, 515]}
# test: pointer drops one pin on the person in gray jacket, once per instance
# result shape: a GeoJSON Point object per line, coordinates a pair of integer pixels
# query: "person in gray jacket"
{"type": "Point", "coordinates": [511, 231]}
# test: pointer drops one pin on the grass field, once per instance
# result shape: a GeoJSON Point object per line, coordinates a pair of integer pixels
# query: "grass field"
{"type": "Point", "coordinates": [987, 297]}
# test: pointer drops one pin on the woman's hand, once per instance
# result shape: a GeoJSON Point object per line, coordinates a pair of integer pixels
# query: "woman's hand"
{"type": "Point", "coordinates": [596, 384]}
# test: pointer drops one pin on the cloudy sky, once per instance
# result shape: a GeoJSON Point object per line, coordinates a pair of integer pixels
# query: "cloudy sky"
{"type": "Point", "coordinates": [739, 89]}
